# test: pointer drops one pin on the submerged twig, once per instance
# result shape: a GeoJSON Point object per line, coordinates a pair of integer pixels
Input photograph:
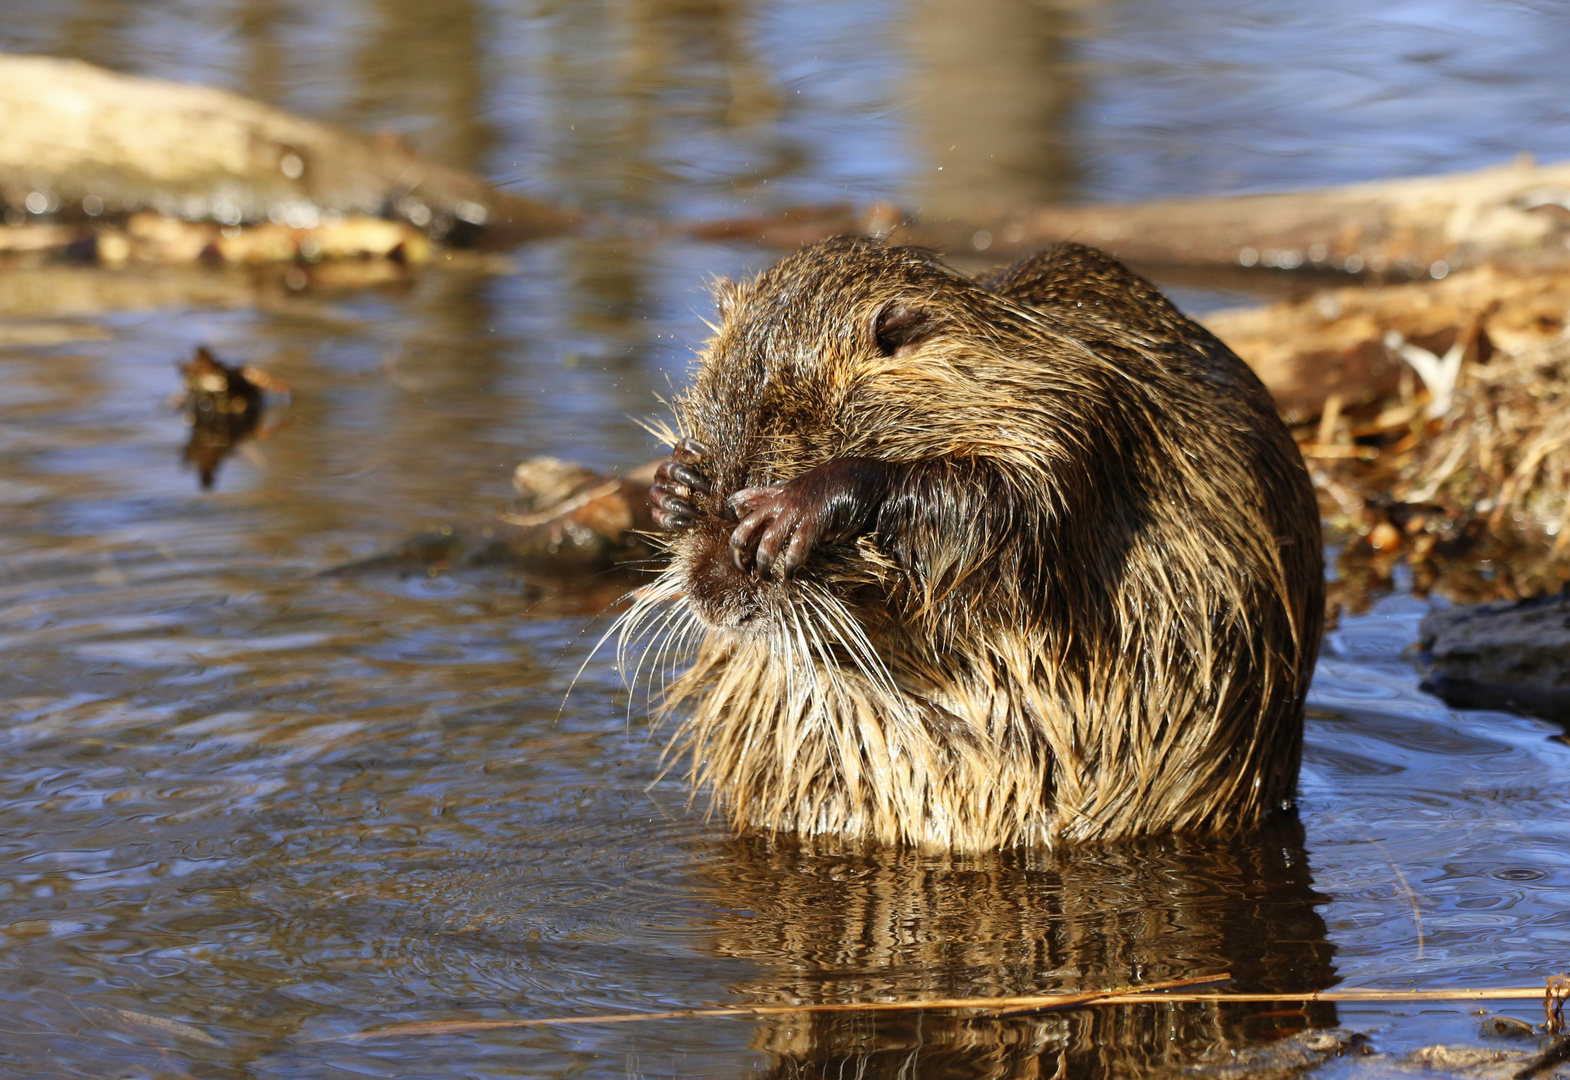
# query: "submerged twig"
{"type": "Point", "coordinates": [997, 1006]}
{"type": "Point", "coordinates": [1410, 896]}
{"type": "Point", "coordinates": [1040, 1002]}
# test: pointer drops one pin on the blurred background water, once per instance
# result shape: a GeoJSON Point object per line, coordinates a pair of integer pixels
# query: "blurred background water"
{"type": "Point", "coordinates": [247, 812]}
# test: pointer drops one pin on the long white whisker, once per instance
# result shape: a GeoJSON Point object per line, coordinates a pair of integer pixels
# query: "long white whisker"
{"type": "Point", "coordinates": [849, 633]}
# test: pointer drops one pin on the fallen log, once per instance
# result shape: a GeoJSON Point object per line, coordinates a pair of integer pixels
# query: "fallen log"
{"type": "Point", "coordinates": [1420, 227]}
{"type": "Point", "coordinates": [1517, 215]}
{"type": "Point", "coordinates": [571, 523]}
{"type": "Point", "coordinates": [38, 290]}
{"type": "Point", "coordinates": [78, 142]}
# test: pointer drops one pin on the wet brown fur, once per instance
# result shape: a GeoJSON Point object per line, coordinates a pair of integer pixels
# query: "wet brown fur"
{"type": "Point", "coordinates": [1087, 608]}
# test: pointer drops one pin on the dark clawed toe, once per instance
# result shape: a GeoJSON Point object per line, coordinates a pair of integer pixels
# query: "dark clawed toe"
{"type": "Point", "coordinates": [743, 541]}
{"type": "Point", "coordinates": [689, 451]}
{"type": "Point", "coordinates": [671, 510]}
{"type": "Point", "coordinates": [675, 507]}
{"type": "Point", "coordinates": [674, 515]}
{"type": "Point", "coordinates": [693, 479]}
{"type": "Point", "coordinates": [665, 475]}
{"type": "Point", "coordinates": [796, 552]}
{"type": "Point", "coordinates": [787, 531]}
{"type": "Point", "coordinates": [768, 546]}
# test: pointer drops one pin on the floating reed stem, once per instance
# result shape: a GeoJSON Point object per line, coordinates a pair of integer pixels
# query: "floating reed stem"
{"type": "Point", "coordinates": [994, 1006]}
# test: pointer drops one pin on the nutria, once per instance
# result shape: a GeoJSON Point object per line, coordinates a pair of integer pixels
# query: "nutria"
{"type": "Point", "coordinates": [977, 563]}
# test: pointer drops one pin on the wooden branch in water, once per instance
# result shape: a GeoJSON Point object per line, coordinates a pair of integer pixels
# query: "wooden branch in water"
{"type": "Point", "coordinates": [76, 139]}
{"type": "Point", "coordinates": [999, 1005]}
{"type": "Point", "coordinates": [571, 521]}
{"type": "Point", "coordinates": [995, 1006]}
{"type": "Point", "coordinates": [1516, 214]}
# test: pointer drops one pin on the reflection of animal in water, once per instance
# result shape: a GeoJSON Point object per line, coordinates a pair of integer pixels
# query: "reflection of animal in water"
{"type": "Point", "coordinates": [905, 925]}
{"type": "Point", "coordinates": [224, 407]}
{"type": "Point", "coordinates": [971, 564]}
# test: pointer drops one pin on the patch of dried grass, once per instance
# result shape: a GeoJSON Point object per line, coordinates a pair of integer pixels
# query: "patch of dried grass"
{"type": "Point", "coordinates": [1501, 454]}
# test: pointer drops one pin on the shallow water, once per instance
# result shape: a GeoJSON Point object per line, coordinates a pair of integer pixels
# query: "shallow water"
{"type": "Point", "coordinates": [249, 812]}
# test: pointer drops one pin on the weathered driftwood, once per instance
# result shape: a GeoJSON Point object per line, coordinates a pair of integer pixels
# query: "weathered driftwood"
{"type": "Point", "coordinates": [41, 290]}
{"type": "Point", "coordinates": [77, 140]}
{"type": "Point", "coordinates": [1516, 214]}
{"type": "Point", "coordinates": [1422, 226]}
{"type": "Point", "coordinates": [570, 523]}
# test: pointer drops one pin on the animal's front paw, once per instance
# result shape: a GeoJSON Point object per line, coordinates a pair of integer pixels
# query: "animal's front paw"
{"type": "Point", "coordinates": [782, 523]}
{"type": "Point", "coordinates": [676, 482]}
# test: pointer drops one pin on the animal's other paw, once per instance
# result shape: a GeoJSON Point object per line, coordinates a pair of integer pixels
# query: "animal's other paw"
{"type": "Point", "coordinates": [676, 483]}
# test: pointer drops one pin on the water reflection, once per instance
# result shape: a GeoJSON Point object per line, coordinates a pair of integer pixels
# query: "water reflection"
{"type": "Point", "coordinates": [994, 93]}
{"type": "Point", "coordinates": [95, 31]}
{"type": "Point", "coordinates": [898, 925]}
{"type": "Point", "coordinates": [425, 64]}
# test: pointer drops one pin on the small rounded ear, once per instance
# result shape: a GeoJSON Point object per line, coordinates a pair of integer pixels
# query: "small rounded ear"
{"type": "Point", "coordinates": [896, 330]}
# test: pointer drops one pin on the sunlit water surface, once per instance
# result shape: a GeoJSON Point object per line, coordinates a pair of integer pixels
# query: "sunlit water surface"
{"type": "Point", "coordinates": [250, 813]}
